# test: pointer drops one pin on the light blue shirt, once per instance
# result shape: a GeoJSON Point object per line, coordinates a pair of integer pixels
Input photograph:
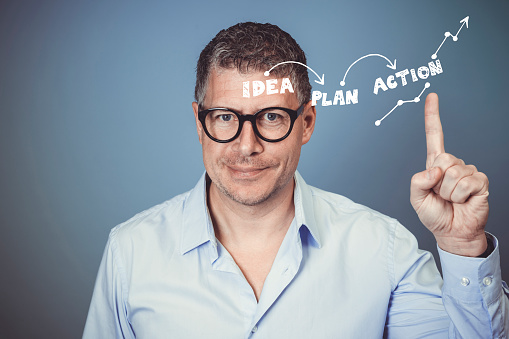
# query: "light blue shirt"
{"type": "Point", "coordinates": [342, 271]}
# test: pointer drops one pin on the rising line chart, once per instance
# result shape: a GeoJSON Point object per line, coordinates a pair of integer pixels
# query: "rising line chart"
{"type": "Point", "coordinates": [401, 102]}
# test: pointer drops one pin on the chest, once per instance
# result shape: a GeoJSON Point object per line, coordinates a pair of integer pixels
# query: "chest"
{"type": "Point", "coordinates": [255, 267]}
{"type": "Point", "coordinates": [319, 298]}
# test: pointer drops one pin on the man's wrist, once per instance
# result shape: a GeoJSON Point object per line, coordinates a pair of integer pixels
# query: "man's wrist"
{"type": "Point", "coordinates": [489, 249]}
{"type": "Point", "coordinates": [474, 248]}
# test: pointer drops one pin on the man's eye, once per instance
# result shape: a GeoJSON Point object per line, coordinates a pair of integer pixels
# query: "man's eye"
{"type": "Point", "coordinates": [222, 117]}
{"type": "Point", "coordinates": [271, 116]}
{"type": "Point", "coordinates": [225, 117]}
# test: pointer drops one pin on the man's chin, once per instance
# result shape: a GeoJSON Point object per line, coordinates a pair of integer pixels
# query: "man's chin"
{"type": "Point", "coordinates": [246, 198]}
{"type": "Point", "coordinates": [254, 190]}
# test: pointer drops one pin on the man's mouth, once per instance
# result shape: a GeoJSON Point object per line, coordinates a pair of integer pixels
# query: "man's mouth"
{"type": "Point", "coordinates": [245, 171]}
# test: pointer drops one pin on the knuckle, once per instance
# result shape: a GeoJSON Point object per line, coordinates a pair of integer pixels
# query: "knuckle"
{"type": "Point", "coordinates": [452, 158]}
{"type": "Point", "coordinates": [484, 178]}
{"type": "Point", "coordinates": [463, 185]}
{"type": "Point", "coordinates": [453, 172]}
{"type": "Point", "coordinates": [445, 158]}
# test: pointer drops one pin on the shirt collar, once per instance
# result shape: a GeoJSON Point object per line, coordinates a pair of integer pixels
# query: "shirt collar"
{"type": "Point", "coordinates": [197, 227]}
{"type": "Point", "coordinates": [304, 209]}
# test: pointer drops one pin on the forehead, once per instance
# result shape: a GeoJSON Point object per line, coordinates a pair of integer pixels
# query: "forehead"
{"type": "Point", "coordinates": [227, 88]}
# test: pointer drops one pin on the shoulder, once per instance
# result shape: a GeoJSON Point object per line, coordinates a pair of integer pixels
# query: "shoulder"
{"type": "Point", "coordinates": [342, 222]}
{"type": "Point", "coordinates": [334, 206]}
{"type": "Point", "coordinates": [356, 233]}
{"type": "Point", "coordinates": [148, 227]}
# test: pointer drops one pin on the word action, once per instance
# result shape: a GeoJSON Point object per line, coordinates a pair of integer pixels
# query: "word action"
{"type": "Point", "coordinates": [351, 98]}
{"type": "Point", "coordinates": [270, 84]}
{"type": "Point", "coordinates": [423, 72]}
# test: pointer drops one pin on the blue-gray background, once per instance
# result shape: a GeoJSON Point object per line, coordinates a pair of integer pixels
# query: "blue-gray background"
{"type": "Point", "coordinates": [96, 123]}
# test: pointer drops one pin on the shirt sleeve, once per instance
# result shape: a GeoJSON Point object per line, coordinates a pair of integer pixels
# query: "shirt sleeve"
{"type": "Point", "coordinates": [474, 295]}
{"type": "Point", "coordinates": [415, 306]}
{"type": "Point", "coordinates": [469, 303]}
{"type": "Point", "coordinates": [108, 313]}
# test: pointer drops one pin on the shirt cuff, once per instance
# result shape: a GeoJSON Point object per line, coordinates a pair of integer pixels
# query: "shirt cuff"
{"type": "Point", "coordinates": [472, 279]}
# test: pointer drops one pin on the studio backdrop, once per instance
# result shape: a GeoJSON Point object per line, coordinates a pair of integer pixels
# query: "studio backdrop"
{"type": "Point", "coordinates": [96, 122]}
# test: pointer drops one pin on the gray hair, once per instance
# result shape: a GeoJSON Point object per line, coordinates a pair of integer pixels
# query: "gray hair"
{"type": "Point", "coordinates": [253, 47]}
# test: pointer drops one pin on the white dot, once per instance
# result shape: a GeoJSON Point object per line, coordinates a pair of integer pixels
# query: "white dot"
{"type": "Point", "coordinates": [417, 99]}
{"type": "Point", "coordinates": [400, 102]}
{"type": "Point", "coordinates": [377, 123]}
{"type": "Point", "coordinates": [454, 38]}
{"type": "Point", "coordinates": [267, 73]}
{"type": "Point", "coordinates": [342, 83]}
{"type": "Point", "coordinates": [434, 56]}
{"type": "Point", "coordinates": [447, 34]}
{"type": "Point", "coordinates": [427, 85]}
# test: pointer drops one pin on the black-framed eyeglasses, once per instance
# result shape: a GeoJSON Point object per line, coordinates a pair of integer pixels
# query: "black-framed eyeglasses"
{"type": "Point", "coordinates": [271, 124]}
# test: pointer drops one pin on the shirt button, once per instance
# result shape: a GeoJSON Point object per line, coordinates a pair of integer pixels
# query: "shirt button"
{"type": "Point", "coordinates": [487, 281]}
{"type": "Point", "coordinates": [465, 281]}
{"type": "Point", "coordinates": [255, 328]}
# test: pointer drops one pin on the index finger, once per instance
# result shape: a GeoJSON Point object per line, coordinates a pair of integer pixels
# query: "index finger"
{"type": "Point", "coordinates": [433, 127]}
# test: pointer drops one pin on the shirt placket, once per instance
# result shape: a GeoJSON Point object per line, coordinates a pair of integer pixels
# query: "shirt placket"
{"type": "Point", "coordinates": [246, 298]}
{"type": "Point", "coordinates": [283, 271]}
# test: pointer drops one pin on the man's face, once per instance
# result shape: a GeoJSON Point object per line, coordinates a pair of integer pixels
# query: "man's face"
{"type": "Point", "coordinates": [249, 170]}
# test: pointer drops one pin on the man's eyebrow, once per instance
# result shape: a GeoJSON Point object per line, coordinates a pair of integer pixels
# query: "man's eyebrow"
{"type": "Point", "coordinates": [242, 112]}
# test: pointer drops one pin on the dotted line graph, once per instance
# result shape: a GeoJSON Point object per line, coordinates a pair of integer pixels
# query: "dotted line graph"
{"type": "Point", "coordinates": [464, 22]}
{"type": "Point", "coordinates": [401, 102]}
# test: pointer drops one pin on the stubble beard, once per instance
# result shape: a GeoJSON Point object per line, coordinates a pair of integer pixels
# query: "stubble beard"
{"type": "Point", "coordinates": [280, 183]}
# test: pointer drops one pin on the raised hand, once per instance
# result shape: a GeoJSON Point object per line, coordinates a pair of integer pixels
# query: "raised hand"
{"type": "Point", "coordinates": [450, 198]}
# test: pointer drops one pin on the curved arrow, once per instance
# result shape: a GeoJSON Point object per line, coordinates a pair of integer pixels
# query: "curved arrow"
{"type": "Point", "coordinates": [322, 79]}
{"type": "Point", "coordinates": [391, 65]}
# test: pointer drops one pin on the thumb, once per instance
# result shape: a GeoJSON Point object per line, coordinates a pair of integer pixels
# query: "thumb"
{"type": "Point", "coordinates": [422, 183]}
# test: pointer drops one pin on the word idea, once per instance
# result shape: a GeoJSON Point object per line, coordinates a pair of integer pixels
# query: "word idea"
{"type": "Point", "coordinates": [270, 85]}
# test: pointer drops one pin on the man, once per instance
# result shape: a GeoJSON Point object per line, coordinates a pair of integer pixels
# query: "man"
{"type": "Point", "coordinates": [253, 251]}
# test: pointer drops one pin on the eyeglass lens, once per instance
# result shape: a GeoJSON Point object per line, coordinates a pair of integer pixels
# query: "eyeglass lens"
{"type": "Point", "coordinates": [271, 124]}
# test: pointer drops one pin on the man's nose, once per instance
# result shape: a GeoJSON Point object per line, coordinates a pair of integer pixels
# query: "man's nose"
{"type": "Point", "coordinates": [248, 143]}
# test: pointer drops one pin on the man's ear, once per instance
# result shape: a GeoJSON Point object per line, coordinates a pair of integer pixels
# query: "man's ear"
{"type": "Point", "coordinates": [308, 122]}
{"type": "Point", "coordinates": [199, 128]}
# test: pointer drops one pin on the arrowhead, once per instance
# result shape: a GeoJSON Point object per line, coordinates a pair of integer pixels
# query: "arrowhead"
{"type": "Point", "coordinates": [392, 66]}
{"type": "Point", "coordinates": [322, 80]}
{"type": "Point", "coordinates": [465, 20]}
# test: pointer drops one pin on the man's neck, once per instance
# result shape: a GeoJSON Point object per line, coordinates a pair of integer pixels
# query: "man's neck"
{"type": "Point", "coordinates": [251, 227]}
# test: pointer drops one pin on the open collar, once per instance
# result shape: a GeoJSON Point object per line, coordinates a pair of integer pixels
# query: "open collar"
{"type": "Point", "coordinates": [197, 227]}
{"type": "Point", "coordinates": [304, 209]}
